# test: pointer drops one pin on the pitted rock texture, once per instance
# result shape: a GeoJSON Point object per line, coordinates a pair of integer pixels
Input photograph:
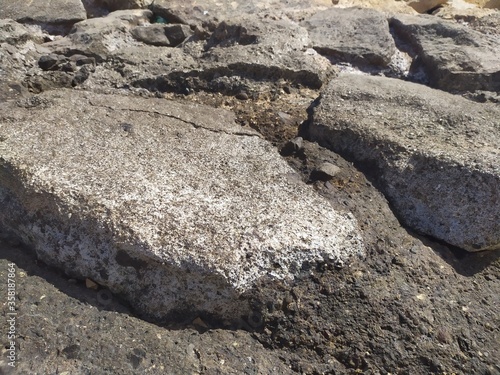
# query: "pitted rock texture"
{"type": "Point", "coordinates": [38, 11]}
{"type": "Point", "coordinates": [352, 34]}
{"type": "Point", "coordinates": [209, 12]}
{"type": "Point", "coordinates": [434, 154]}
{"type": "Point", "coordinates": [173, 206]}
{"type": "Point", "coordinates": [453, 57]}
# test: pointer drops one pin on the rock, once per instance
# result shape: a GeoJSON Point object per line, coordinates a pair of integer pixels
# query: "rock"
{"type": "Point", "coordinates": [352, 34]}
{"type": "Point", "coordinates": [113, 5]}
{"type": "Point", "coordinates": [454, 57]}
{"type": "Point", "coordinates": [153, 35]}
{"type": "Point", "coordinates": [266, 50]}
{"type": "Point", "coordinates": [325, 172]}
{"type": "Point", "coordinates": [80, 60]}
{"type": "Point", "coordinates": [162, 35]}
{"type": "Point", "coordinates": [434, 154]}
{"type": "Point", "coordinates": [51, 62]}
{"type": "Point", "coordinates": [293, 146]}
{"type": "Point", "coordinates": [99, 37]}
{"type": "Point", "coordinates": [424, 6]}
{"type": "Point", "coordinates": [37, 11]}
{"type": "Point", "coordinates": [211, 12]}
{"type": "Point", "coordinates": [173, 206]}
{"type": "Point", "coordinates": [16, 34]}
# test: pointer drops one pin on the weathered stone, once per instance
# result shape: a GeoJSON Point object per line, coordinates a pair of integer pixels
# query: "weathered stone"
{"type": "Point", "coordinates": [211, 12]}
{"type": "Point", "coordinates": [268, 50]}
{"type": "Point", "coordinates": [352, 34]}
{"type": "Point", "coordinates": [325, 172]}
{"type": "Point", "coordinates": [98, 37]}
{"type": "Point", "coordinates": [435, 155]}
{"type": "Point", "coordinates": [51, 62]}
{"type": "Point", "coordinates": [162, 35]}
{"type": "Point", "coordinates": [37, 11]}
{"type": "Point", "coordinates": [454, 57]}
{"type": "Point", "coordinates": [124, 4]}
{"type": "Point", "coordinates": [175, 207]}
{"type": "Point", "coordinates": [15, 34]}
{"type": "Point", "coordinates": [293, 146]}
{"type": "Point", "coordinates": [423, 6]}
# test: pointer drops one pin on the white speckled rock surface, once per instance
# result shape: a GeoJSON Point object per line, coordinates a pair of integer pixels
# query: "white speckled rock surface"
{"type": "Point", "coordinates": [173, 206]}
{"type": "Point", "coordinates": [436, 154]}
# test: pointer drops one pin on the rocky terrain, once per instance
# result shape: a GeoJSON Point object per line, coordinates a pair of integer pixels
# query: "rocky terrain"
{"type": "Point", "coordinates": [263, 187]}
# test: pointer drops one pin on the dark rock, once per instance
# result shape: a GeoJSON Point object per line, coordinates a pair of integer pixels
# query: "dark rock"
{"type": "Point", "coordinates": [37, 11]}
{"type": "Point", "coordinates": [151, 34]}
{"type": "Point", "coordinates": [15, 34]}
{"type": "Point", "coordinates": [113, 5]}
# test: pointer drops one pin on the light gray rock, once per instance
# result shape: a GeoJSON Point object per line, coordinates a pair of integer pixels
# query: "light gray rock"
{"type": "Point", "coordinates": [352, 34]}
{"type": "Point", "coordinates": [124, 4]}
{"type": "Point", "coordinates": [454, 58]}
{"type": "Point", "coordinates": [435, 155]}
{"type": "Point", "coordinates": [38, 11]}
{"type": "Point", "coordinates": [173, 206]}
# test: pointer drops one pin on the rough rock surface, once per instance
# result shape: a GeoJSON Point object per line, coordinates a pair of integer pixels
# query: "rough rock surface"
{"type": "Point", "coordinates": [436, 153]}
{"type": "Point", "coordinates": [210, 12]}
{"type": "Point", "coordinates": [37, 11]}
{"type": "Point", "coordinates": [454, 58]}
{"type": "Point", "coordinates": [113, 5]}
{"type": "Point", "coordinates": [409, 306]}
{"type": "Point", "coordinates": [162, 35]}
{"type": "Point", "coordinates": [99, 37]}
{"type": "Point", "coordinates": [153, 207]}
{"type": "Point", "coordinates": [352, 34]}
{"type": "Point", "coordinates": [60, 318]}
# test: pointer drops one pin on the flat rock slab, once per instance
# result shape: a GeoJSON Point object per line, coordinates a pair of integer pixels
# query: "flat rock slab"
{"type": "Point", "coordinates": [454, 58]}
{"type": "Point", "coordinates": [207, 12]}
{"type": "Point", "coordinates": [175, 207]}
{"type": "Point", "coordinates": [41, 11]}
{"type": "Point", "coordinates": [436, 155]}
{"type": "Point", "coordinates": [352, 34]}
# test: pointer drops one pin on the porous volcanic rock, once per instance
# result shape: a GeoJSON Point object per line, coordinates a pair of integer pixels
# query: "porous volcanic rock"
{"type": "Point", "coordinates": [435, 154]}
{"type": "Point", "coordinates": [454, 58]}
{"type": "Point", "coordinates": [175, 207]}
{"type": "Point", "coordinates": [37, 11]}
{"type": "Point", "coordinates": [352, 34]}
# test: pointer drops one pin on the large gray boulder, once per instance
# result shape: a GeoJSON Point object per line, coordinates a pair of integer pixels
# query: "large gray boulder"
{"type": "Point", "coordinates": [100, 37]}
{"type": "Point", "coordinates": [42, 11]}
{"type": "Point", "coordinates": [352, 34]}
{"type": "Point", "coordinates": [454, 58]}
{"type": "Point", "coordinates": [211, 12]}
{"type": "Point", "coordinates": [172, 206]}
{"type": "Point", "coordinates": [435, 155]}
